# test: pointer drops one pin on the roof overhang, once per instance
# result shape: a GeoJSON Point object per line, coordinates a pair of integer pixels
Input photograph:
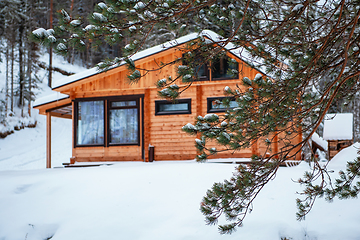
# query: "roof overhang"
{"type": "Point", "coordinates": [59, 105]}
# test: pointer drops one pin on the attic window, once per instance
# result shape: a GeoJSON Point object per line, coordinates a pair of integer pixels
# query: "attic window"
{"type": "Point", "coordinates": [201, 71]}
{"type": "Point", "coordinates": [224, 68]}
{"type": "Point", "coordinates": [180, 106]}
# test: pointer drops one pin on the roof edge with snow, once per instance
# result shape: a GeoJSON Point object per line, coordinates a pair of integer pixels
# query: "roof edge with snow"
{"type": "Point", "coordinates": [237, 52]}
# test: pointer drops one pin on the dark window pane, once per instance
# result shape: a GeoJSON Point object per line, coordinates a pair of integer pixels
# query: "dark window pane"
{"type": "Point", "coordinates": [124, 126]}
{"type": "Point", "coordinates": [170, 107]}
{"type": "Point", "coordinates": [221, 68]}
{"type": "Point", "coordinates": [201, 72]}
{"type": "Point", "coordinates": [90, 124]}
{"type": "Point", "coordinates": [123, 103]}
{"type": "Point", "coordinates": [181, 106]}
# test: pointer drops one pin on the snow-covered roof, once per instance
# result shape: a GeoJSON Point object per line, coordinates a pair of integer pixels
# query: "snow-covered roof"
{"type": "Point", "coordinates": [238, 52]}
{"type": "Point", "coordinates": [53, 97]}
{"type": "Point", "coordinates": [338, 126]}
{"type": "Point", "coordinates": [320, 141]}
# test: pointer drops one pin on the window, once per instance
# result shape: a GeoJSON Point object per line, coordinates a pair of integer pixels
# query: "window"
{"type": "Point", "coordinates": [180, 106]}
{"type": "Point", "coordinates": [201, 72]}
{"type": "Point", "coordinates": [123, 122]}
{"type": "Point", "coordinates": [107, 122]}
{"type": "Point", "coordinates": [224, 68]}
{"type": "Point", "coordinates": [216, 105]}
{"type": "Point", "coordinates": [90, 123]}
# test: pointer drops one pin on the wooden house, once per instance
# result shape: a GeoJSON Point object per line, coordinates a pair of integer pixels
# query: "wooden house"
{"type": "Point", "coordinates": [116, 121]}
{"type": "Point", "coordinates": [338, 131]}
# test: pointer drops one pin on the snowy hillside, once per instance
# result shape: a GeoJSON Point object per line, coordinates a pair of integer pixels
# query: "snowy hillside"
{"type": "Point", "coordinates": [25, 149]}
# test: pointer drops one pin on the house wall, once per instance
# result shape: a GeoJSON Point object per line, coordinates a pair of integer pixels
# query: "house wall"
{"type": "Point", "coordinates": [161, 131]}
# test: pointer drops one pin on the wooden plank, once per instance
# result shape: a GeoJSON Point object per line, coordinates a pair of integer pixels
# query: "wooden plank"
{"type": "Point", "coordinates": [169, 139]}
{"type": "Point", "coordinates": [174, 144]}
{"type": "Point", "coordinates": [147, 120]}
{"type": "Point", "coordinates": [107, 93]}
{"type": "Point", "coordinates": [107, 159]}
{"type": "Point", "coordinates": [254, 148]}
{"type": "Point", "coordinates": [59, 115]}
{"type": "Point", "coordinates": [73, 133]}
{"type": "Point", "coordinates": [275, 144]}
{"type": "Point", "coordinates": [48, 140]}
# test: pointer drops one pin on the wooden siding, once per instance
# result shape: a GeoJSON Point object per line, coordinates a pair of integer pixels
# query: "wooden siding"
{"type": "Point", "coordinates": [161, 131]}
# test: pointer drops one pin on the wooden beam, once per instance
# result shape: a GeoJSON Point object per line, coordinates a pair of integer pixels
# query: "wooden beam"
{"type": "Point", "coordinates": [276, 144]}
{"type": "Point", "coordinates": [53, 105]}
{"type": "Point", "coordinates": [146, 123]}
{"type": "Point", "coordinates": [48, 140]}
{"type": "Point", "coordinates": [72, 159]}
{"type": "Point", "coordinates": [299, 140]}
{"type": "Point", "coordinates": [254, 148]}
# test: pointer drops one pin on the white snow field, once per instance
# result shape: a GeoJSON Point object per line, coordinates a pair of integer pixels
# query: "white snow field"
{"type": "Point", "coordinates": [137, 200]}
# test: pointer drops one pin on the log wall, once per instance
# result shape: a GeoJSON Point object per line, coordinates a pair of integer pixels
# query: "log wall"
{"type": "Point", "coordinates": [162, 131]}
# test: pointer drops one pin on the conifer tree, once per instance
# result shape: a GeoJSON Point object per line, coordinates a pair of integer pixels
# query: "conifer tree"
{"type": "Point", "coordinates": [299, 45]}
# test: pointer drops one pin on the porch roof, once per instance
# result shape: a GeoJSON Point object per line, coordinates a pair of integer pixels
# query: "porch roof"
{"type": "Point", "coordinates": [58, 104]}
{"type": "Point", "coordinates": [53, 97]}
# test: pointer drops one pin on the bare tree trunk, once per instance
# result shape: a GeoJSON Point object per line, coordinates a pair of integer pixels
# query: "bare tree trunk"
{"type": "Point", "coordinates": [21, 70]}
{"type": "Point", "coordinates": [12, 78]}
{"type": "Point", "coordinates": [7, 80]}
{"type": "Point", "coordinates": [50, 50]}
{"type": "Point", "coordinates": [28, 73]}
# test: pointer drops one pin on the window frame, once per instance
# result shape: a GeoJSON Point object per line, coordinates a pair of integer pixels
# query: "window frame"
{"type": "Point", "coordinates": [76, 121]}
{"type": "Point", "coordinates": [216, 110]}
{"type": "Point", "coordinates": [107, 108]}
{"type": "Point", "coordinates": [160, 113]}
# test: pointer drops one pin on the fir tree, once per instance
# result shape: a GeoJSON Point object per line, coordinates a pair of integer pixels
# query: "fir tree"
{"type": "Point", "coordinates": [300, 45]}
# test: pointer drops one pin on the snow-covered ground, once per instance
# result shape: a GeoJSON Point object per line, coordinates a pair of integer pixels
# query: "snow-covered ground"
{"type": "Point", "coordinates": [25, 149]}
{"type": "Point", "coordinates": [137, 200]}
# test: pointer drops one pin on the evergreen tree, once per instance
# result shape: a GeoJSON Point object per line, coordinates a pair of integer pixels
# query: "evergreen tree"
{"type": "Point", "coordinates": [298, 44]}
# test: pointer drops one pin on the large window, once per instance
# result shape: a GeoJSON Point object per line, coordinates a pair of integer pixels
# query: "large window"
{"type": "Point", "coordinates": [107, 122]}
{"type": "Point", "coordinates": [123, 122]}
{"type": "Point", "coordinates": [180, 106]}
{"type": "Point", "coordinates": [90, 123]}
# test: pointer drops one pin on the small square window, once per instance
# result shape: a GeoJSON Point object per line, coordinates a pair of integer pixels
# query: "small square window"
{"type": "Point", "coordinates": [215, 104]}
{"type": "Point", "coordinates": [180, 106]}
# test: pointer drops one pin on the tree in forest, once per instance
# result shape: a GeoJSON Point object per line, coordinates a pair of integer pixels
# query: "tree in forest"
{"type": "Point", "coordinates": [20, 55]}
{"type": "Point", "coordinates": [309, 51]}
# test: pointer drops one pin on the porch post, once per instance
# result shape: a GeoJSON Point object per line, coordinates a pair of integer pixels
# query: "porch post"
{"type": "Point", "coordinates": [48, 139]}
